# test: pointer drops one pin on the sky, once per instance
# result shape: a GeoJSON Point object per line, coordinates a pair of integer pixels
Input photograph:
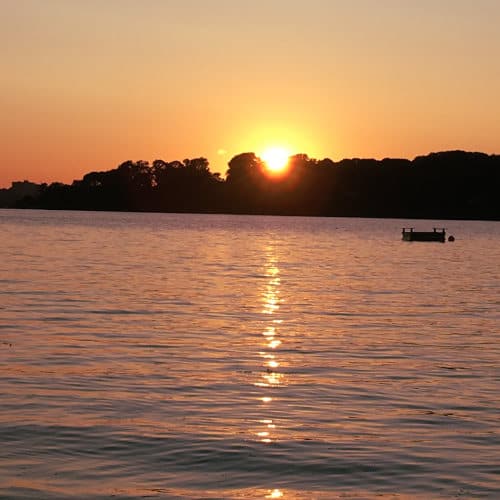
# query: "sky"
{"type": "Point", "coordinates": [88, 84]}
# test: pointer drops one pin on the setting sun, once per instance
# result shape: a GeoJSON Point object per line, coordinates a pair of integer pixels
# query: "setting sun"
{"type": "Point", "coordinates": [276, 159]}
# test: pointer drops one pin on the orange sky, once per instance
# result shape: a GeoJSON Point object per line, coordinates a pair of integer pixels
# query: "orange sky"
{"type": "Point", "coordinates": [88, 84]}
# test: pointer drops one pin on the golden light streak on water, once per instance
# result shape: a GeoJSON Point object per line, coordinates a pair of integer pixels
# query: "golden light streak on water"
{"type": "Point", "coordinates": [270, 379]}
{"type": "Point", "coordinates": [273, 379]}
{"type": "Point", "coordinates": [275, 494]}
{"type": "Point", "coordinates": [270, 331]}
{"type": "Point", "coordinates": [267, 355]}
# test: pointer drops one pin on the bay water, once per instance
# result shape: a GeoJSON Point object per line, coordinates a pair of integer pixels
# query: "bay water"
{"type": "Point", "coordinates": [221, 356]}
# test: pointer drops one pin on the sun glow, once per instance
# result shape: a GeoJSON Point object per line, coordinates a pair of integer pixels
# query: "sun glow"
{"type": "Point", "coordinates": [276, 159]}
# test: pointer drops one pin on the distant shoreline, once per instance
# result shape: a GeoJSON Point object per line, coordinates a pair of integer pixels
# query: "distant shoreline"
{"type": "Point", "coordinates": [452, 185]}
{"type": "Point", "coordinates": [249, 214]}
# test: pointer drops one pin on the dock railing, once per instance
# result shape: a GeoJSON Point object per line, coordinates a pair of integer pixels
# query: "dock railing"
{"type": "Point", "coordinates": [437, 234]}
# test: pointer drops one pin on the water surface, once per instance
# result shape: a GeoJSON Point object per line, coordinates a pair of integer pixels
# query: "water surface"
{"type": "Point", "coordinates": [209, 356]}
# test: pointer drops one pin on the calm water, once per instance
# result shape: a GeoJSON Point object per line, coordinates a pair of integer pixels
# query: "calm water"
{"type": "Point", "coordinates": [190, 356]}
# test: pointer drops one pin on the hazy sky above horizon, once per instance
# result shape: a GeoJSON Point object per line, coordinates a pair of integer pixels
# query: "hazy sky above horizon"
{"type": "Point", "coordinates": [86, 85]}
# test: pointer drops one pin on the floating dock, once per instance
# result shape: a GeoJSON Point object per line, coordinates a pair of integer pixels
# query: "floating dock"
{"type": "Point", "coordinates": [437, 234]}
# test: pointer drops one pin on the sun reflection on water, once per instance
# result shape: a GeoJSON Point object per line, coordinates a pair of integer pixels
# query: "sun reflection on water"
{"type": "Point", "coordinates": [270, 378]}
{"type": "Point", "coordinates": [275, 494]}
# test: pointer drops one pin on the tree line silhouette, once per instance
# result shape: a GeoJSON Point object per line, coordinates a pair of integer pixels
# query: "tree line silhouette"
{"type": "Point", "coordinates": [445, 185]}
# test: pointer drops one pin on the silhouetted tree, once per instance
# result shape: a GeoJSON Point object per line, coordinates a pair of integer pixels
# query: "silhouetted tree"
{"type": "Point", "coordinates": [450, 184]}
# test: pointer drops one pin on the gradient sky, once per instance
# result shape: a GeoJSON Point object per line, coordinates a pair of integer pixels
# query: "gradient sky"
{"type": "Point", "coordinates": [87, 84]}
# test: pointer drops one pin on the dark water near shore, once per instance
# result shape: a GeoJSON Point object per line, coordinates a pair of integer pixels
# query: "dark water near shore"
{"type": "Point", "coordinates": [199, 356]}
